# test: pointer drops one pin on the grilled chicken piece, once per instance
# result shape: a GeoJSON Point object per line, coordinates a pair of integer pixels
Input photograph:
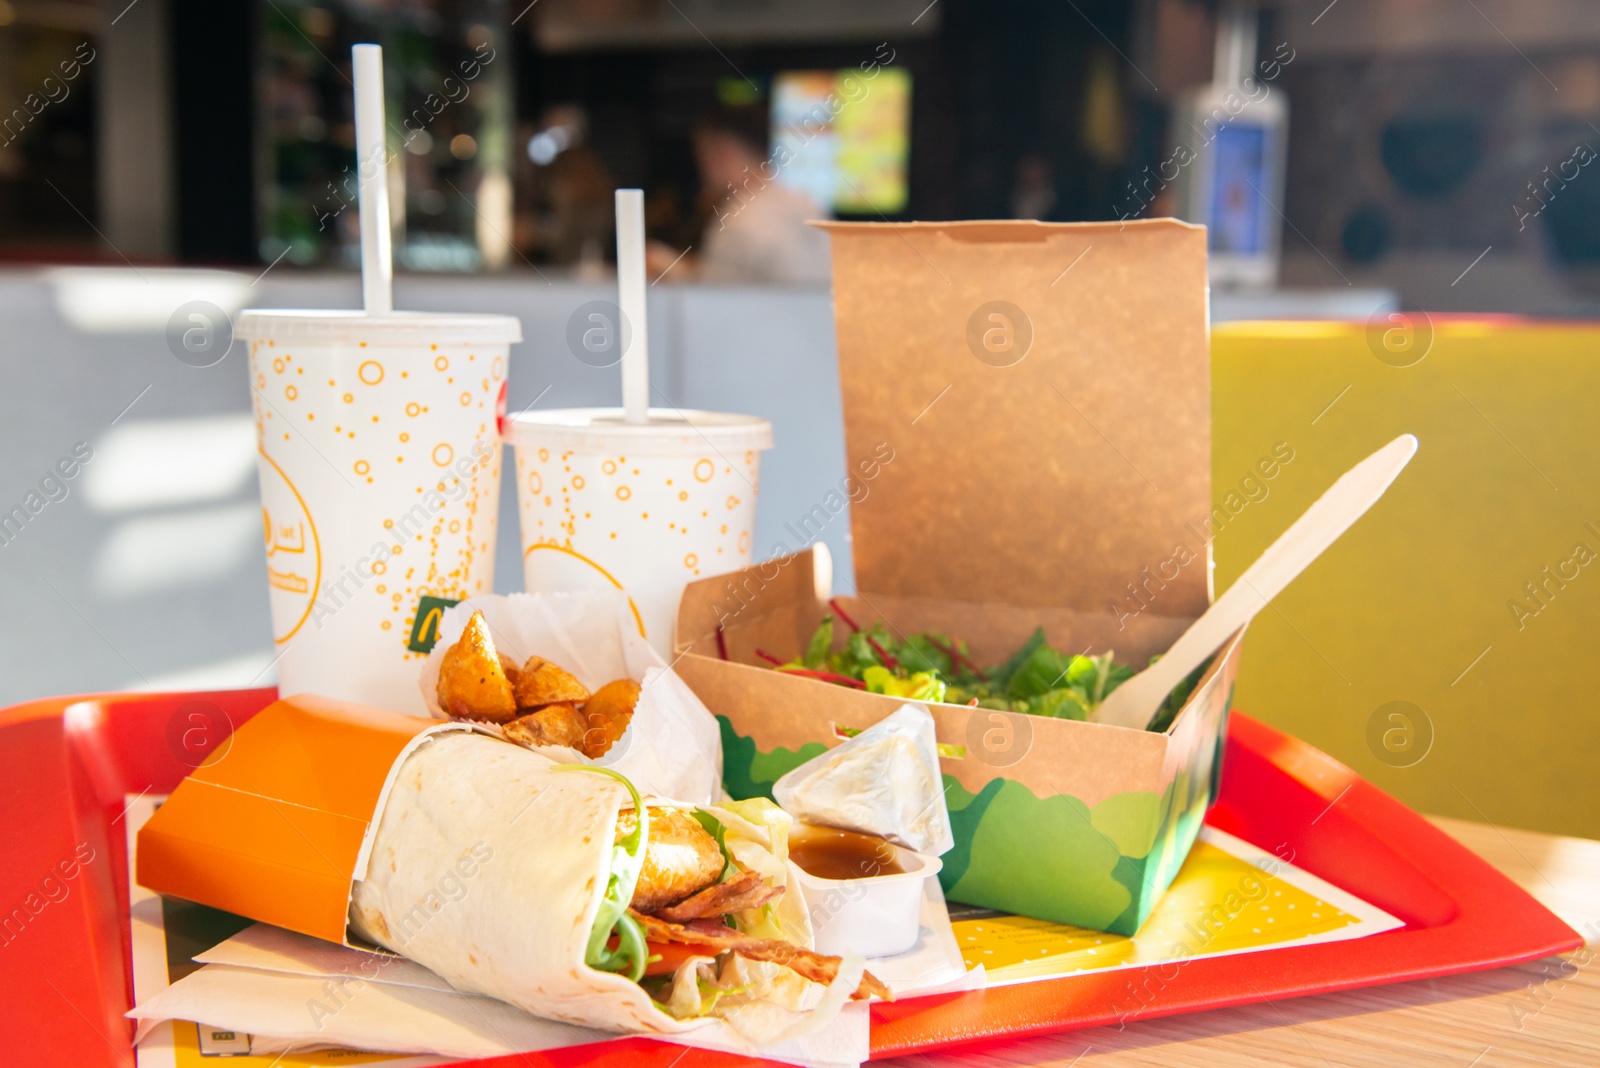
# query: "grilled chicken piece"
{"type": "Point", "coordinates": [680, 858]}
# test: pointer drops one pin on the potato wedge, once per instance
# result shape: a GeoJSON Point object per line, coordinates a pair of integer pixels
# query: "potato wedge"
{"type": "Point", "coordinates": [559, 724]}
{"type": "Point", "coordinates": [472, 684]}
{"type": "Point", "coordinates": [509, 666]}
{"type": "Point", "coordinates": [607, 715]}
{"type": "Point", "coordinates": [542, 683]}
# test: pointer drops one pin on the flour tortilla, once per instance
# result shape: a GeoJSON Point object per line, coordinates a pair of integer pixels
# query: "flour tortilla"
{"type": "Point", "coordinates": [488, 867]}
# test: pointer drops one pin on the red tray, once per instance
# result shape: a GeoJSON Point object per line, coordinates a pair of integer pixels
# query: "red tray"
{"type": "Point", "coordinates": [66, 765]}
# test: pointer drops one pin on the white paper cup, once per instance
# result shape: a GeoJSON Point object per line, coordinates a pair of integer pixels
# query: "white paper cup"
{"type": "Point", "coordinates": [642, 508]}
{"type": "Point", "coordinates": [380, 486]}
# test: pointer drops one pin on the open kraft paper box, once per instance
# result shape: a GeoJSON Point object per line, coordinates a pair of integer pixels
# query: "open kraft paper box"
{"type": "Point", "coordinates": [1027, 419]}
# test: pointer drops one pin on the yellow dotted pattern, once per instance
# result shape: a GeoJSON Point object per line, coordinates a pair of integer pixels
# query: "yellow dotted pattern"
{"type": "Point", "coordinates": [1218, 903]}
{"type": "Point", "coordinates": [631, 511]}
{"type": "Point", "coordinates": [432, 481]}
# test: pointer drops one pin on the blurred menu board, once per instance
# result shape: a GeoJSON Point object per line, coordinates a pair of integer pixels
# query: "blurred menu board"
{"type": "Point", "coordinates": [844, 137]}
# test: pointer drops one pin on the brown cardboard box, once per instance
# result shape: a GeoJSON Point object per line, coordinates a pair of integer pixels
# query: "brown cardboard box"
{"type": "Point", "coordinates": [1027, 417]}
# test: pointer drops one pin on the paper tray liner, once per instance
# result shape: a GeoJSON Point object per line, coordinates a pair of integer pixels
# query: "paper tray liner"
{"type": "Point", "coordinates": [277, 823]}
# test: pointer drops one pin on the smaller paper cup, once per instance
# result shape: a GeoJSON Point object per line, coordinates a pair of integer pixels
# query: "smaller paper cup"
{"type": "Point", "coordinates": [643, 508]}
{"type": "Point", "coordinates": [380, 486]}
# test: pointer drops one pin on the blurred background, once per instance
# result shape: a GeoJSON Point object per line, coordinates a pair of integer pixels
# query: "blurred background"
{"type": "Point", "coordinates": [1414, 164]}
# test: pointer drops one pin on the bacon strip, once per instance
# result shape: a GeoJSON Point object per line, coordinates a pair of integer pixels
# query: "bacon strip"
{"type": "Point", "coordinates": [807, 963]}
{"type": "Point", "coordinates": [744, 891]}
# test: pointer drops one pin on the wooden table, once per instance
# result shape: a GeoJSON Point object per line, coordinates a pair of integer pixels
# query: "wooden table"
{"type": "Point", "coordinates": [1547, 1012]}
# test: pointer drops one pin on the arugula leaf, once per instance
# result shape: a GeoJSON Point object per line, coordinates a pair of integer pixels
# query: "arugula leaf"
{"type": "Point", "coordinates": [816, 654]}
{"type": "Point", "coordinates": [627, 858]}
{"type": "Point", "coordinates": [719, 831]}
{"type": "Point", "coordinates": [1001, 676]}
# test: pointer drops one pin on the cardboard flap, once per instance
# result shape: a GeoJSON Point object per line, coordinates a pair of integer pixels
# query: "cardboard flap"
{"type": "Point", "coordinates": [1042, 392]}
{"type": "Point", "coordinates": [273, 825]}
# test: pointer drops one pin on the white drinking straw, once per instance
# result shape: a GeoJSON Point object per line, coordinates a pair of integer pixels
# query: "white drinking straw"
{"type": "Point", "coordinates": [630, 297]}
{"type": "Point", "coordinates": [377, 268]}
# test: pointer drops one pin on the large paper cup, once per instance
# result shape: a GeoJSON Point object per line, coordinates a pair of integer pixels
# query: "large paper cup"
{"type": "Point", "coordinates": [380, 487]}
{"type": "Point", "coordinates": [641, 508]}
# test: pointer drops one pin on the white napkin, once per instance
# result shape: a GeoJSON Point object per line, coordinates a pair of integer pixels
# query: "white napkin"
{"type": "Point", "coordinates": [306, 993]}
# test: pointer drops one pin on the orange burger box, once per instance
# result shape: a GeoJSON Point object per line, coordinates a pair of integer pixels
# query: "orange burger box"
{"type": "Point", "coordinates": [1027, 421]}
{"type": "Point", "coordinates": [277, 824]}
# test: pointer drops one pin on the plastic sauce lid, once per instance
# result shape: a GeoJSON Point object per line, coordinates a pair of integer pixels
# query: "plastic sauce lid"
{"type": "Point", "coordinates": [670, 430]}
{"type": "Point", "coordinates": [341, 327]}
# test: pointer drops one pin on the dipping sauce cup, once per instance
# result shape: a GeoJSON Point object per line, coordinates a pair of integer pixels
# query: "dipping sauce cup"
{"type": "Point", "coordinates": [864, 894]}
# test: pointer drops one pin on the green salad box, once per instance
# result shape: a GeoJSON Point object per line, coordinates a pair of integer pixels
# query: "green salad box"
{"type": "Point", "coordinates": [1027, 420]}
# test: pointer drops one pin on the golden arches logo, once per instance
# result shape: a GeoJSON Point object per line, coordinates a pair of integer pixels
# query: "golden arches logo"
{"type": "Point", "coordinates": [280, 517]}
{"type": "Point", "coordinates": [638, 619]}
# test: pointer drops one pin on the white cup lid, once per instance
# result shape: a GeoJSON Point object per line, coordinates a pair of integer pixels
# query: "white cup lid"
{"type": "Point", "coordinates": [343, 327]}
{"type": "Point", "coordinates": [670, 430]}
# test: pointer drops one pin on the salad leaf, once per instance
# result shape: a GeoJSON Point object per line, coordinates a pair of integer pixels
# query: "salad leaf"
{"type": "Point", "coordinates": [1044, 670]}
{"type": "Point", "coordinates": [1059, 704]}
{"type": "Point", "coordinates": [1037, 679]}
{"type": "Point", "coordinates": [922, 652]}
{"type": "Point", "coordinates": [921, 686]}
{"type": "Point", "coordinates": [858, 655]}
{"type": "Point", "coordinates": [627, 858]}
{"type": "Point", "coordinates": [816, 654]}
{"type": "Point", "coordinates": [1001, 676]}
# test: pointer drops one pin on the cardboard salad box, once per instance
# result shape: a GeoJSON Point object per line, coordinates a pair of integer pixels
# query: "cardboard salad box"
{"type": "Point", "coordinates": [1027, 421]}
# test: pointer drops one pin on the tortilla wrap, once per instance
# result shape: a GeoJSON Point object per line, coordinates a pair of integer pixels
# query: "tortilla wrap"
{"type": "Point", "coordinates": [488, 867]}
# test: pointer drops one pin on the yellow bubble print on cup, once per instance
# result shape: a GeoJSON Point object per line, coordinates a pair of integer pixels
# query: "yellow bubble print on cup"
{"type": "Point", "coordinates": [380, 474]}
{"type": "Point", "coordinates": [638, 507]}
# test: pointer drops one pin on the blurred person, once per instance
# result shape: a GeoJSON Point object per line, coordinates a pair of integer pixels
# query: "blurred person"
{"type": "Point", "coordinates": [567, 213]}
{"type": "Point", "coordinates": [1033, 191]}
{"type": "Point", "coordinates": [757, 227]}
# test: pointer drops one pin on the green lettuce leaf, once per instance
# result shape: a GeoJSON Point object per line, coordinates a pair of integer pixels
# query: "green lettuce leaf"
{"type": "Point", "coordinates": [921, 686]}
{"type": "Point", "coordinates": [816, 655]}
{"type": "Point", "coordinates": [1000, 677]}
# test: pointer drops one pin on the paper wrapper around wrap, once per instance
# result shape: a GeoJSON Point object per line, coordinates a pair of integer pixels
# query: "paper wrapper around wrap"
{"type": "Point", "coordinates": [468, 854]}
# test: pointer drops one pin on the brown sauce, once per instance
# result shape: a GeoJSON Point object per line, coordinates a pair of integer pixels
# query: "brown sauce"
{"type": "Point", "coordinates": [832, 854]}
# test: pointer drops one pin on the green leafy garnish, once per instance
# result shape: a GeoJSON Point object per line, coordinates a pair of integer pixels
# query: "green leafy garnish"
{"type": "Point", "coordinates": [920, 686]}
{"type": "Point", "coordinates": [816, 655]}
{"type": "Point", "coordinates": [1036, 679]}
{"type": "Point", "coordinates": [719, 831]}
{"type": "Point", "coordinates": [612, 920]}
